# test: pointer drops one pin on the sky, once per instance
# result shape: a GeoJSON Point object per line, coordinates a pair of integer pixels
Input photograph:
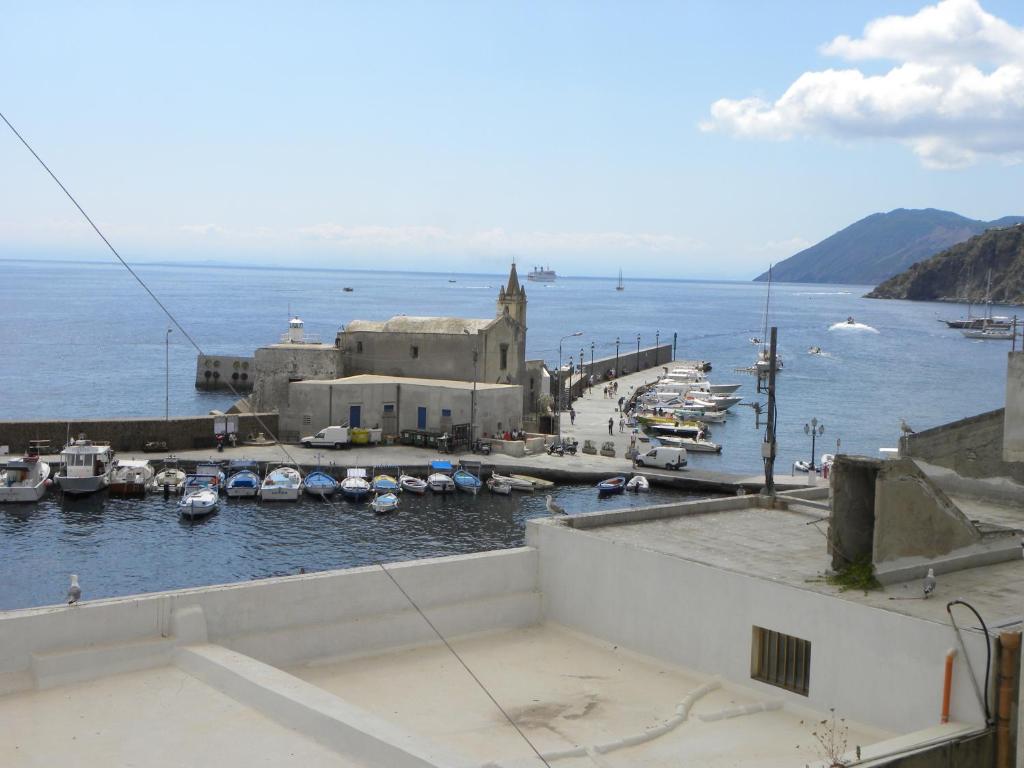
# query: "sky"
{"type": "Point", "coordinates": [687, 139]}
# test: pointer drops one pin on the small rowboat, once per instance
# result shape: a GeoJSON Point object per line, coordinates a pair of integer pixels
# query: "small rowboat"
{"type": "Point", "coordinates": [466, 481]}
{"type": "Point", "coordinates": [514, 482]}
{"type": "Point", "coordinates": [283, 484]}
{"type": "Point", "coordinates": [355, 486]}
{"type": "Point", "coordinates": [638, 484]}
{"type": "Point", "coordinates": [440, 483]}
{"type": "Point", "coordinates": [319, 483]}
{"type": "Point", "coordinates": [611, 485]}
{"type": "Point", "coordinates": [499, 487]}
{"type": "Point", "coordinates": [198, 503]}
{"type": "Point", "coordinates": [412, 484]}
{"type": "Point", "coordinates": [385, 502]}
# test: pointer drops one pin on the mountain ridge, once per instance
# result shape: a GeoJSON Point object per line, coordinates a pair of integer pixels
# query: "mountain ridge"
{"type": "Point", "coordinates": [881, 245]}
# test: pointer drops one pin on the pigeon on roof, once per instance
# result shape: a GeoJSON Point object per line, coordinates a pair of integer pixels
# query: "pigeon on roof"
{"type": "Point", "coordinates": [929, 583]}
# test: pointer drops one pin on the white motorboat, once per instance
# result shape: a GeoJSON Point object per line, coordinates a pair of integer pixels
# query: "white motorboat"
{"type": "Point", "coordinates": [170, 477]}
{"type": "Point", "coordinates": [131, 477]}
{"type": "Point", "coordinates": [23, 479]}
{"type": "Point", "coordinates": [697, 445]}
{"type": "Point", "coordinates": [712, 415]}
{"type": "Point", "coordinates": [440, 478]}
{"type": "Point", "coordinates": [638, 484]}
{"type": "Point", "coordinates": [439, 482]}
{"type": "Point", "coordinates": [198, 503]}
{"type": "Point", "coordinates": [514, 483]}
{"type": "Point", "coordinates": [384, 502]}
{"type": "Point", "coordinates": [283, 484]}
{"type": "Point", "coordinates": [85, 467]}
{"type": "Point", "coordinates": [992, 334]}
{"type": "Point", "coordinates": [412, 484]}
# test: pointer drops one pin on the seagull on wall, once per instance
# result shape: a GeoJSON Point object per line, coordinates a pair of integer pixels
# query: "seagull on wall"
{"type": "Point", "coordinates": [74, 591]}
{"type": "Point", "coordinates": [905, 428]}
{"type": "Point", "coordinates": [928, 585]}
{"type": "Point", "coordinates": [553, 509]}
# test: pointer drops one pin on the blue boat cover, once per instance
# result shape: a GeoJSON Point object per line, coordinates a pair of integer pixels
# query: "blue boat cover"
{"type": "Point", "coordinates": [441, 466]}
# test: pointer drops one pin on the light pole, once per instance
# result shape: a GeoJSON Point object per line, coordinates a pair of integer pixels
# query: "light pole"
{"type": "Point", "coordinates": [591, 364]}
{"type": "Point", "coordinates": [167, 378]}
{"type": "Point", "coordinates": [657, 337]}
{"type": "Point", "coordinates": [472, 401]}
{"type": "Point", "coordinates": [616, 357]}
{"type": "Point", "coordinates": [561, 384]}
{"type": "Point", "coordinates": [814, 429]}
{"type": "Point", "coordinates": [637, 352]}
{"type": "Point", "coordinates": [582, 383]}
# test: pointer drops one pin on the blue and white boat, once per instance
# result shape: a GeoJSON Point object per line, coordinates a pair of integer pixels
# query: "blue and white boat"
{"type": "Point", "coordinates": [466, 481]}
{"type": "Point", "coordinates": [611, 485]}
{"type": "Point", "coordinates": [384, 502]}
{"type": "Point", "coordinates": [355, 486]}
{"type": "Point", "coordinates": [212, 472]}
{"type": "Point", "coordinates": [243, 479]}
{"type": "Point", "coordinates": [385, 484]}
{"type": "Point", "coordinates": [319, 483]}
{"type": "Point", "coordinates": [283, 484]}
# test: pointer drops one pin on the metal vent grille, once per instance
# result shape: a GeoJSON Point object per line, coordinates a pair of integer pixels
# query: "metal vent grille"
{"type": "Point", "coordinates": [307, 419]}
{"type": "Point", "coordinates": [780, 660]}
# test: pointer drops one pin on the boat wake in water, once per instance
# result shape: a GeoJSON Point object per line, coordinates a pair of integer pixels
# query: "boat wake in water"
{"type": "Point", "coordinates": [849, 325]}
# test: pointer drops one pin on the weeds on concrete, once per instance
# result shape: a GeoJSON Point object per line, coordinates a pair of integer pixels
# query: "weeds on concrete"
{"type": "Point", "coordinates": [860, 574]}
{"type": "Point", "coordinates": [831, 736]}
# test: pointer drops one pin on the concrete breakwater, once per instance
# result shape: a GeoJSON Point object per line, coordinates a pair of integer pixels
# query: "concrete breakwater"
{"type": "Point", "coordinates": [180, 433]}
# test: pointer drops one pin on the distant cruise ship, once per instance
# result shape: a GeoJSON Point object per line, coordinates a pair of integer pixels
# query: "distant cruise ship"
{"type": "Point", "coordinates": [538, 275]}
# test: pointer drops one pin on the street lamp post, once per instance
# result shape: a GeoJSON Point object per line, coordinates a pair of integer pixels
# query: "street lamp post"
{"type": "Point", "coordinates": [561, 384]}
{"type": "Point", "coordinates": [616, 357]}
{"type": "Point", "coordinates": [657, 337]}
{"type": "Point", "coordinates": [638, 352]}
{"type": "Point", "coordinates": [591, 361]}
{"type": "Point", "coordinates": [472, 401]}
{"type": "Point", "coordinates": [814, 429]}
{"type": "Point", "coordinates": [582, 383]}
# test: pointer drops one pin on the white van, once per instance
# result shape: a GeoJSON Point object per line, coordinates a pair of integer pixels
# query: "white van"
{"type": "Point", "coordinates": [328, 437]}
{"type": "Point", "coordinates": [663, 456]}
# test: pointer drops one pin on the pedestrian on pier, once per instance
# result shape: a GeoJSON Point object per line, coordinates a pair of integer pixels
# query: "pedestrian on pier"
{"type": "Point", "coordinates": [611, 423]}
{"type": "Point", "coordinates": [622, 423]}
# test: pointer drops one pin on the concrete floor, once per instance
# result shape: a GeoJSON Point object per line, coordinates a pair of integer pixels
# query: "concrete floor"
{"type": "Point", "coordinates": [565, 690]}
{"type": "Point", "coordinates": [160, 718]}
{"type": "Point", "coordinates": [790, 546]}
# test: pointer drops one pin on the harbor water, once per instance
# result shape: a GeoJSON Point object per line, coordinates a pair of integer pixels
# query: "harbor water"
{"type": "Point", "coordinates": [127, 546]}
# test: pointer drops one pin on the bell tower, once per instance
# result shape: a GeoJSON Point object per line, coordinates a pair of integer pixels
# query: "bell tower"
{"type": "Point", "coordinates": [512, 299]}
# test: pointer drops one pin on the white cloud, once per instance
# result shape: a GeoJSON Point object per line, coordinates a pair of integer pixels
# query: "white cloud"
{"type": "Point", "coordinates": [498, 239]}
{"type": "Point", "coordinates": [937, 99]}
{"type": "Point", "coordinates": [204, 230]}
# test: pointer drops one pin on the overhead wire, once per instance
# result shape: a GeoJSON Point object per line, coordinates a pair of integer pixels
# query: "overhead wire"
{"type": "Point", "coordinates": [199, 349]}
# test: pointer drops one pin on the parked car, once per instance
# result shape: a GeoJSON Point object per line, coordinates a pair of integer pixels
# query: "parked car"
{"type": "Point", "coordinates": [663, 456]}
{"type": "Point", "coordinates": [328, 437]}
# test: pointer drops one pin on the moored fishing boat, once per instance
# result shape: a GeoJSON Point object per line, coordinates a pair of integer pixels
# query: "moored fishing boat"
{"type": "Point", "coordinates": [213, 474]}
{"type": "Point", "coordinates": [537, 483]}
{"type": "Point", "coordinates": [85, 467]}
{"type": "Point", "coordinates": [990, 333]}
{"type": "Point", "coordinates": [440, 478]}
{"type": "Point", "coordinates": [198, 503]}
{"type": "Point", "coordinates": [170, 478]}
{"type": "Point", "coordinates": [466, 481]}
{"type": "Point", "coordinates": [611, 485]}
{"type": "Point", "coordinates": [384, 484]}
{"type": "Point", "coordinates": [384, 502]}
{"type": "Point", "coordinates": [411, 484]}
{"type": "Point", "coordinates": [355, 486]}
{"type": "Point", "coordinates": [500, 487]}
{"type": "Point", "coordinates": [283, 484]}
{"type": "Point", "coordinates": [130, 477]}
{"type": "Point", "coordinates": [243, 479]}
{"type": "Point", "coordinates": [513, 482]}
{"type": "Point", "coordinates": [319, 483]}
{"type": "Point", "coordinates": [23, 480]}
